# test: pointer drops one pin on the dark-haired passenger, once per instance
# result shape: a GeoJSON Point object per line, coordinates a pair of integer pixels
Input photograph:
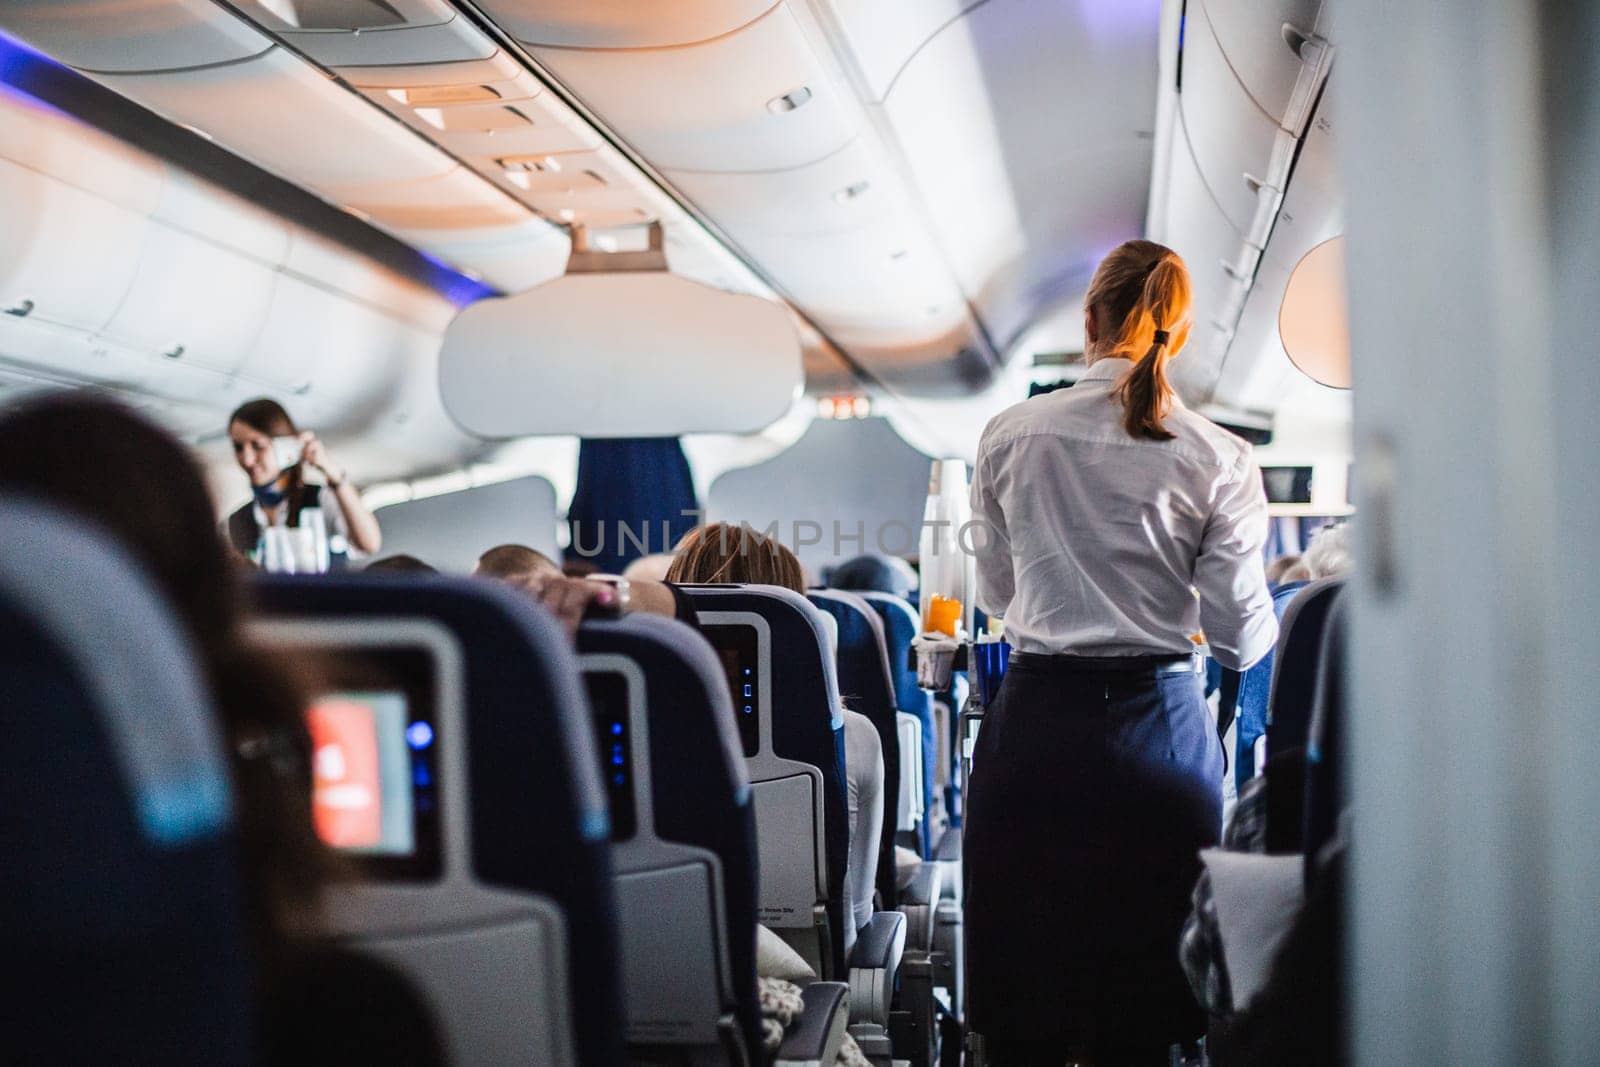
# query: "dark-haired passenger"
{"type": "Point", "coordinates": [95, 459]}
{"type": "Point", "coordinates": [400, 563]}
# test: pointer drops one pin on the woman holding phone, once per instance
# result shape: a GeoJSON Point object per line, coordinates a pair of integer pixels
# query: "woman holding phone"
{"type": "Point", "coordinates": [1121, 525]}
{"type": "Point", "coordinates": [276, 456]}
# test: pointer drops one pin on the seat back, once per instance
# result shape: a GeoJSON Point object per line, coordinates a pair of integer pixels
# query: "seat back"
{"type": "Point", "coordinates": [866, 686]}
{"type": "Point", "coordinates": [1325, 792]}
{"type": "Point", "coordinates": [899, 621]}
{"type": "Point", "coordinates": [491, 891]}
{"type": "Point", "coordinates": [1294, 667]}
{"type": "Point", "coordinates": [683, 833]}
{"type": "Point", "coordinates": [123, 909]}
{"type": "Point", "coordinates": [786, 701]}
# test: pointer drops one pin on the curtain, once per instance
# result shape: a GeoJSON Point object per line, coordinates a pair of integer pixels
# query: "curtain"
{"type": "Point", "coordinates": [630, 500]}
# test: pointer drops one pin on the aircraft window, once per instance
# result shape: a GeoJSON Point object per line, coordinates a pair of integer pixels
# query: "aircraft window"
{"type": "Point", "coordinates": [608, 703]}
{"type": "Point", "coordinates": [374, 763]}
{"type": "Point", "coordinates": [736, 647]}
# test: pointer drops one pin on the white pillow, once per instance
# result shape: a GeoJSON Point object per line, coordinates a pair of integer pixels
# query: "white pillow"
{"type": "Point", "coordinates": [775, 959]}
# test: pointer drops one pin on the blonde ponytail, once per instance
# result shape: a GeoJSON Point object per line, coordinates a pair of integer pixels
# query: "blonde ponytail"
{"type": "Point", "coordinates": [1144, 288]}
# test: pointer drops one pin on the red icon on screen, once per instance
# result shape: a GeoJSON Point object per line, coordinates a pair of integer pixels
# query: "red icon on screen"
{"type": "Point", "coordinates": [346, 799]}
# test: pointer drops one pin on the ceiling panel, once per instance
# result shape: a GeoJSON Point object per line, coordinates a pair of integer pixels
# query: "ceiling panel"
{"type": "Point", "coordinates": [706, 106]}
{"type": "Point", "coordinates": [883, 35]}
{"type": "Point", "coordinates": [289, 118]}
{"type": "Point", "coordinates": [623, 23]}
{"type": "Point", "coordinates": [1030, 170]}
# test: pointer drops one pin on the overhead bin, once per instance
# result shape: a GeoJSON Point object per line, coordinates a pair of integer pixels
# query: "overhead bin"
{"type": "Point", "coordinates": [455, 200]}
{"type": "Point", "coordinates": [1198, 231]}
{"type": "Point", "coordinates": [884, 35]}
{"type": "Point", "coordinates": [45, 233]}
{"type": "Point", "coordinates": [189, 204]}
{"type": "Point", "coordinates": [619, 354]}
{"type": "Point", "coordinates": [1250, 34]}
{"type": "Point", "coordinates": [1242, 153]}
{"type": "Point", "coordinates": [623, 23]}
{"type": "Point", "coordinates": [1257, 366]}
{"type": "Point", "coordinates": [844, 191]}
{"type": "Point", "coordinates": [111, 36]}
{"type": "Point", "coordinates": [734, 103]}
{"type": "Point", "coordinates": [495, 77]}
{"type": "Point", "coordinates": [510, 258]}
{"type": "Point", "coordinates": [371, 32]}
{"type": "Point", "coordinates": [193, 301]}
{"type": "Point", "coordinates": [289, 118]}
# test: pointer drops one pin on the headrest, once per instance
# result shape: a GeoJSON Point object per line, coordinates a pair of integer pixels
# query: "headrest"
{"type": "Point", "coordinates": [1296, 663]}
{"type": "Point", "coordinates": [92, 600]}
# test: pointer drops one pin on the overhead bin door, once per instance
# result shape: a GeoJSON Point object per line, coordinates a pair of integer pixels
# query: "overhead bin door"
{"type": "Point", "coordinates": [623, 23]}
{"type": "Point", "coordinates": [133, 35]}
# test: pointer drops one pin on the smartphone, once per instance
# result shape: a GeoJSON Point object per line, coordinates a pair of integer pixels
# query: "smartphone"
{"type": "Point", "coordinates": [286, 450]}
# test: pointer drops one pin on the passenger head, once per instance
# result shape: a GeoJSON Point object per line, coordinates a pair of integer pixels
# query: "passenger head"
{"type": "Point", "coordinates": [1280, 567]}
{"type": "Point", "coordinates": [651, 568]}
{"type": "Point", "coordinates": [516, 565]}
{"type": "Point", "coordinates": [96, 459]}
{"type": "Point", "coordinates": [1331, 553]}
{"type": "Point", "coordinates": [1139, 307]}
{"type": "Point", "coordinates": [400, 563]}
{"type": "Point", "coordinates": [578, 568]}
{"type": "Point", "coordinates": [251, 428]}
{"type": "Point", "coordinates": [875, 573]}
{"type": "Point", "coordinates": [723, 552]}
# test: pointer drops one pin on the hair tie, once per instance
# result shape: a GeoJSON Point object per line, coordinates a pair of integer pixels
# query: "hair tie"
{"type": "Point", "coordinates": [1161, 337]}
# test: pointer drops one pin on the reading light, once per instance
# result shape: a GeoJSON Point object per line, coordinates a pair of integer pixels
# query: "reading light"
{"type": "Point", "coordinates": [432, 116]}
{"type": "Point", "coordinates": [567, 214]}
{"type": "Point", "coordinates": [778, 105]}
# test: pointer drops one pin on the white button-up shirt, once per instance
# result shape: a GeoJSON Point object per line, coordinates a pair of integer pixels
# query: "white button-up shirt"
{"type": "Point", "coordinates": [1103, 544]}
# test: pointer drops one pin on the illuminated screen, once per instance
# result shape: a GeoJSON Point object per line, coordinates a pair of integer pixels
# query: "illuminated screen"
{"type": "Point", "coordinates": [1287, 485]}
{"type": "Point", "coordinates": [361, 795]}
{"type": "Point", "coordinates": [736, 648]}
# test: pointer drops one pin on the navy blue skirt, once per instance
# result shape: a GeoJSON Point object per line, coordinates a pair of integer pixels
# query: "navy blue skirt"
{"type": "Point", "coordinates": [1091, 796]}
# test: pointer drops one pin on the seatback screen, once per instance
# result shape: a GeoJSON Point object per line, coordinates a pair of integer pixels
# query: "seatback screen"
{"type": "Point", "coordinates": [361, 773]}
{"type": "Point", "coordinates": [374, 793]}
{"type": "Point", "coordinates": [609, 707]}
{"type": "Point", "coordinates": [737, 648]}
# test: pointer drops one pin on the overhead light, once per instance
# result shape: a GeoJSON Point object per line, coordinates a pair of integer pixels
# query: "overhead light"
{"type": "Point", "coordinates": [825, 407]}
{"type": "Point", "coordinates": [850, 192]}
{"type": "Point", "coordinates": [861, 407]}
{"type": "Point", "coordinates": [607, 242]}
{"type": "Point", "coordinates": [432, 116]}
{"type": "Point", "coordinates": [778, 105]}
{"type": "Point", "coordinates": [567, 214]}
{"type": "Point", "coordinates": [519, 177]}
{"type": "Point", "coordinates": [552, 164]}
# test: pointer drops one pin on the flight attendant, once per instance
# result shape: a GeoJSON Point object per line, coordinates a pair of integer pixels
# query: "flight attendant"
{"type": "Point", "coordinates": [281, 494]}
{"type": "Point", "coordinates": [1121, 525]}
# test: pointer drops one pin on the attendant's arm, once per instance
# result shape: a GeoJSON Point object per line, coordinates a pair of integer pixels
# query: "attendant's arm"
{"type": "Point", "coordinates": [996, 580]}
{"type": "Point", "coordinates": [1230, 575]}
{"type": "Point", "coordinates": [361, 523]}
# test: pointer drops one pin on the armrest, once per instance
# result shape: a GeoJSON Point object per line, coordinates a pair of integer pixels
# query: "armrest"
{"type": "Point", "coordinates": [924, 886]}
{"type": "Point", "coordinates": [948, 850]}
{"type": "Point", "coordinates": [874, 966]}
{"type": "Point", "coordinates": [816, 1036]}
